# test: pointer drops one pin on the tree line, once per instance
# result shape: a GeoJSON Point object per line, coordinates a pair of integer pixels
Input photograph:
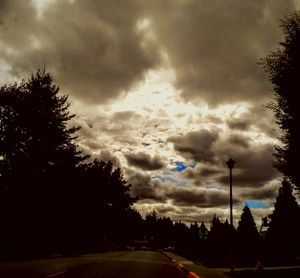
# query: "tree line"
{"type": "Point", "coordinates": [279, 244]}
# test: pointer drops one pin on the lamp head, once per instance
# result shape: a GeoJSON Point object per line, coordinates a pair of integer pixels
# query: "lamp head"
{"type": "Point", "coordinates": [230, 163]}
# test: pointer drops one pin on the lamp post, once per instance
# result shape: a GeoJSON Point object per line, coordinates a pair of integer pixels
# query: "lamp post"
{"type": "Point", "coordinates": [1, 158]}
{"type": "Point", "coordinates": [230, 164]}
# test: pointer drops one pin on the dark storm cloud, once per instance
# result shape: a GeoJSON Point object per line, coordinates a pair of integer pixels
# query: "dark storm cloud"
{"type": "Point", "coordinates": [203, 171]}
{"type": "Point", "coordinates": [239, 140]}
{"type": "Point", "coordinates": [94, 48]}
{"type": "Point", "coordinates": [208, 171]}
{"type": "Point", "coordinates": [215, 45]}
{"type": "Point", "coordinates": [196, 145]}
{"type": "Point", "coordinates": [4, 4]}
{"type": "Point", "coordinates": [263, 193]}
{"type": "Point", "coordinates": [15, 23]}
{"type": "Point", "coordinates": [254, 160]}
{"type": "Point", "coordinates": [253, 165]}
{"type": "Point", "coordinates": [149, 189]}
{"type": "Point", "coordinates": [203, 174]}
{"type": "Point", "coordinates": [145, 161]}
{"type": "Point", "coordinates": [186, 196]}
{"type": "Point", "coordinates": [143, 186]}
{"type": "Point", "coordinates": [97, 50]}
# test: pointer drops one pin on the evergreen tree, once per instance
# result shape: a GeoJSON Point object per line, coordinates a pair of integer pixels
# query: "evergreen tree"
{"type": "Point", "coordinates": [194, 231]}
{"type": "Point", "coordinates": [218, 244]}
{"type": "Point", "coordinates": [193, 240]}
{"type": "Point", "coordinates": [151, 224]}
{"type": "Point", "coordinates": [181, 237]}
{"type": "Point", "coordinates": [248, 238]}
{"type": "Point", "coordinates": [283, 68]}
{"type": "Point", "coordinates": [215, 223]}
{"type": "Point", "coordinates": [40, 157]}
{"type": "Point", "coordinates": [283, 233]}
{"type": "Point", "coordinates": [34, 134]}
{"type": "Point", "coordinates": [165, 232]}
{"type": "Point", "coordinates": [203, 232]}
{"type": "Point", "coordinates": [247, 227]}
{"type": "Point", "coordinates": [105, 202]}
{"type": "Point", "coordinates": [50, 198]}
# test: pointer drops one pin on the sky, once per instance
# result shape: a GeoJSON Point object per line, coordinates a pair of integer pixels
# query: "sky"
{"type": "Point", "coordinates": [168, 90]}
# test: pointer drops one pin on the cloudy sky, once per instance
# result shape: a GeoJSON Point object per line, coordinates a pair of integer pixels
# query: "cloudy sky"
{"type": "Point", "coordinates": [166, 89]}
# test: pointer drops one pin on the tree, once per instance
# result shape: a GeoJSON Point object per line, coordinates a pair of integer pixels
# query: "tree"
{"type": "Point", "coordinates": [50, 196]}
{"type": "Point", "coordinates": [40, 157]}
{"type": "Point", "coordinates": [247, 228]}
{"type": "Point", "coordinates": [193, 240]}
{"type": "Point", "coordinates": [151, 229]}
{"type": "Point", "coordinates": [34, 136]}
{"type": "Point", "coordinates": [165, 232]}
{"type": "Point", "coordinates": [283, 234]}
{"type": "Point", "coordinates": [181, 238]}
{"type": "Point", "coordinates": [194, 231]}
{"type": "Point", "coordinates": [105, 202]}
{"type": "Point", "coordinates": [203, 232]}
{"type": "Point", "coordinates": [283, 69]}
{"type": "Point", "coordinates": [248, 238]}
{"type": "Point", "coordinates": [218, 242]}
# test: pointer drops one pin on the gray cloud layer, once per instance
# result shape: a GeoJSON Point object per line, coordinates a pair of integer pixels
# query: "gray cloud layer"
{"type": "Point", "coordinates": [195, 145]}
{"type": "Point", "coordinates": [152, 189]}
{"type": "Point", "coordinates": [254, 161]}
{"type": "Point", "coordinates": [94, 48]}
{"type": "Point", "coordinates": [215, 45]}
{"type": "Point", "coordinates": [98, 50]}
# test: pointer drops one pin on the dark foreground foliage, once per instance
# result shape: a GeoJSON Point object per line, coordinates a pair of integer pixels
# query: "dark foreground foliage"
{"type": "Point", "coordinates": [283, 69]}
{"type": "Point", "coordinates": [51, 198]}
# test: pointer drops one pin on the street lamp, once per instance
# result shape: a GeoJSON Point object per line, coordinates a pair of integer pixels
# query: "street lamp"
{"type": "Point", "coordinates": [230, 164]}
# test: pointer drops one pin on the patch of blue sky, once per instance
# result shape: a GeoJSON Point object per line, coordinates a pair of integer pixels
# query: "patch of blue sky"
{"type": "Point", "coordinates": [180, 166]}
{"type": "Point", "coordinates": [255, 204]}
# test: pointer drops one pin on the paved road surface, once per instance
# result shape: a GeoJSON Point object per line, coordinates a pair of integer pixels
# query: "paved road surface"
{"type": "Point", "coordinates": [125, 264]}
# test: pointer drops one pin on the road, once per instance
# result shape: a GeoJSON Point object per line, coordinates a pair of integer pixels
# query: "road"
{"type": "Point", "coordinates": [131, 264]}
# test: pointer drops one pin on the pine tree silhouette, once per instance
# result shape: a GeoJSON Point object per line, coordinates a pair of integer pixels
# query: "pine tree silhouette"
{"type": "Point", "coordinates": [248, 238]}
{"type": "Point", "coordinates": [283, 234]}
